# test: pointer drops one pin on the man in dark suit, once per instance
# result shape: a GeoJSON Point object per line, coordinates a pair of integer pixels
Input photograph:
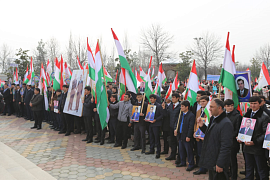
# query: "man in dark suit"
{"type": "Point", "coordinates": [17, 100]}
{"type": "Point", "coordinates": [62, 102]}
{"type": "Point", "coordinates": [154, 128]}
{"type": "Point", "coordinates": [36, 104]}
{"type": "Point", "coordinates": [184, 130]}
{"type": "Point", "coordinates": [196, 106]}
{"type": "Point", "coordinates": [8, 100]}
{"type": "Point", "coordinates": [242, 91]}
{"type": "Point", "coordinates": [28, 97]}
{"type": "Point", "coordinates": [246, 130]}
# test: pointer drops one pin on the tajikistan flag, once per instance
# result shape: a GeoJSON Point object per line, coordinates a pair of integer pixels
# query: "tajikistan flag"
{"type": "Point", "coordinates": [161, 80]}
{"type": "Point", "coordinates": [142, 73]}
{"type": "Point", "coordinates": [44, 81]}
{"type": "Point", "coordinates": [264, 79]}
{"type": "Point", "coordinates": [138, 77]}
{"type": "Point", "coordinates": [169, 92]}
{"type": "Point", "coordinates": [129, 77]}
{"type": "Point", "coordinates": [101, 99]}
{"type": "Point", "coordinates": [227, 75]}
{"type": "Point", "coordinates": [57, 75]}
{"type": "Point", "coordinates": [31, 74]}
{"type": "Point", "coordinates": [148, 85]}
{"type": "Point", "coordinates": [26, 74]}
{"type": "Point", "coordinates": [91, 66]}
{"type": "Point", "coordinates": [207, 113]}
{"type": "Point", "coordinates": [108, 77]}
{"type": "Point", "coordinates": [192, 86]}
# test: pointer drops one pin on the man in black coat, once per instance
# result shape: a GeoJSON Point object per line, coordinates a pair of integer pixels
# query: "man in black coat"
{"type": "Point", "coordinates": [139, 126]}
{"type": "Point", "coordinates": [61, 109]}
{"type": "Point", "coordinates": [166, 125]}
{"type": "Point", "coordinates": [17, 100]}
{"type": "Point", "coordinates": [184, 130]}
{"type": "Point", "coordinates": [154, 128]}
{"type": "Point", "coordinates": [28, 97]}
{"type": "Point", "coordinates": [36, 104]}
{"type": "Point", "coordinates": [113, 119]}
{"type": "Point", "coordinates": [263, 105]}
{"type": "Point", "coordinates": [218, 142]}
{"type": "Point", "coordinates": [8, 100]}
{"type": "Point", "coordinates": [236, 119]}
{"type": "Point", "coordinates": [173, 111]}
{"type": "Point", "coordinates": [253, 151]}
{"type": "Point", "coordinates": [88, 113]}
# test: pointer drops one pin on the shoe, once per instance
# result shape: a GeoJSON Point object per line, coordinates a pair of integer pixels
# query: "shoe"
{"type": "Point", "coordinates": [190, 168]}
{"type": "Point", "coordinates": [101, 142]}
{"type": "Point", "coordinates": [124, 147]}
{"type": "Point", "coordinates": [33, 127]}
{"type": "Point", "coordinates": [198, 172]}
{"type": "Point", "coordinates": [110, 142]}
{"type": "Point", "coordinates": [3, 114]}
{"type": "Point", "coordinates": [107, 138]}
{"type": "Point", "coordinates": [134, 149]}
{"type": "Point", "coordinates": [97, 141]}
{"type": "Point", "coordinates": [143, 151]}
{"type": "Point", "coordinates": [181, 165]}
{"type": "Point", "coordinates": [96, 138]}
{"type": "Point", "coordinates": [31, 119]}
{"type": "Point", "coordinates": [9, 115]}
{"type": "Point", "coordinates": [84, 140]}
{"type": "Point", "coordinates": [170, 158]}
{"type": "Point", "coordinates": [242, 172]}
{"type": "Point", "coordinates": [62, 132]}
{"type": "Point", "coordinates": [38, 128]}
{"type": "Point", "coordinates": [67, 134]}
{"type": "Point", "coordinates": [89, 141]}
{"type": "Point", "coordinates": [117, 145]}
{"type": "Point", "coordinates": [157, 156]}
{"type": "Point", "coordinates": [77, 132]}
{"type": "Point", "coordinates": [164, 152]}
{"type": "Point", "coordinates": [149, 152]}
{"type": "Point", "coordinates": [57, 129]}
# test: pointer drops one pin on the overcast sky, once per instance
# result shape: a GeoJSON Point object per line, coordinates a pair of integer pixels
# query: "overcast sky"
{"type": "Point", "coordinates": [24, 23]}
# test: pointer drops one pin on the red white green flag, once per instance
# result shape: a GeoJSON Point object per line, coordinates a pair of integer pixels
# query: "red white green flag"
{"type": "Point", "coordinates": [129, 77]}
{"type": "Point", "coordinates": [31, 74]}
{"type": "Point", "coordinates": [192, 86]}
{"type": "Point", "coordinates": [161, 80]}
{"type": "Point", "coordinates": [264, 79]}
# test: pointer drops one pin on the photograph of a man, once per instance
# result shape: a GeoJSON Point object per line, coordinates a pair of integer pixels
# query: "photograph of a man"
{"type": "Point", "coordinates": [151, 114]}
{"type": "Point", "coordinates": [79, 92]}
{"type": "Point", "coordinates": [72, 93]}
{"type": "Point", "coordinates": [136, 115]}
{"type": "Point", "coordinates": [247, 130]}
{"type": "Point", "coordinates": [242, 91]}
{"type": "Point", "coordinates": [267, 136]}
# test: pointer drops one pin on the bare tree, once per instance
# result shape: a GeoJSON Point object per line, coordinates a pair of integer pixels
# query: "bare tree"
{"type": "Point", "coordinates": [157, 41]}
{"type": "Point", "coordinates": [70, 55]}
{"type": "Point", "coordinates": [206, 49]}
{"type": "Point", "coordinates": [126, 44]}
{"type": "Point", "coordinates": [53, 50]}
{"type": "Point", "coordinates": [5, 53]}
{"type": "Point", "coordinates": [80, 50]}
{"type": "Point", "coordinates": [263, 55]}
{"type": "Point", "coordinates": [40, 55]}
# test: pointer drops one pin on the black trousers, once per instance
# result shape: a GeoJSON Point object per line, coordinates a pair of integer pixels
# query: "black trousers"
{"type": "Point", "coordinates": [29, 112]}
{"type": "Point", "coordinates": [234, 165]}
{"type": "Point", "coordinates": [154, 139]}
{"type": "Point", "coordinates": [38, 118]}
{"type": "Point", "coordinates": [64, 122]}
{"type": "Point", "coordinates": [213, 175]}
{"type": "Point", "coordinates": [121, 133]}
{"type": "Point", "coordinates": [17, 109]}
{"type": "Point", "coordinates": [69, 122]}
{"type": "Point", "coordinates": [173, 142]}
{"type": "Point", "coordinates": [88, 127]}
{"type": "Point", "coordinates": [112, 129]}
{"type": "Point", "coordinates": [78, 123]}
{"type": "Point", "coordinates": [7, 109]}
{"type": "Point", "coordinates": [139, 135]}
{"type": "Point", "coordinates": [258, 160]}
{"type": "Point", "coordinates": [165, 139]}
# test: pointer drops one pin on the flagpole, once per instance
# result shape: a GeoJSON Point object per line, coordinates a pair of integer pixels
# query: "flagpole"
{"type": "Point", "coordinates": [178, 120]}
{"type": "Point", "coordinates": [219, 90]}
{"type": "Point", "coordinates": [103, 70]}
{"type": "Point", "coordinates": [143, 101]}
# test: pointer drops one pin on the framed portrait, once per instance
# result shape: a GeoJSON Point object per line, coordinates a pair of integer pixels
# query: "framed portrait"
{"type": "Point", "coordinates": [135, 113]}
{"type": "Point", "coordinates": [243, 86]}
{"type": "Point", "coordinates": [266, 142]}
{"type": "Point", "coordinates": [55, 106]}
{"type": "Point", "coordinates": [150, 113]}
{"type": "Point", "coordinates": [246, 129]}
{"type": "Point", "coordinates": [75, 94]}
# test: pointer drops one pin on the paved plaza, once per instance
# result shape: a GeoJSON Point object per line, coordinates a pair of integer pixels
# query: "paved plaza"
{"type": "Point", "coordinates": [67, 157]}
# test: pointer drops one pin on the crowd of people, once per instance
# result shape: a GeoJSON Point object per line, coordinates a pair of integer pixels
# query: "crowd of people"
{"type": "Point", "coordinates": [191, 142]}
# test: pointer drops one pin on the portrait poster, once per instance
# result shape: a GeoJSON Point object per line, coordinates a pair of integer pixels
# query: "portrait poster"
{"type": "Point", "coordinates": [266, 142]}
{"type": "Point", "coordinates": [75, 94]}
{"type": "Point", "coordinates": [150, 113]}
{"type": "Point", "coordinates": [243, 86]}
{"type": "Point", "coordinates": [199, 134]}
{"type": "Point", "coordinates": [142, 86]}
{"type": "Point", "coordinates": [246, 129]}
{"type": "Point", "coordinates": [55, 106]}
{"type": "Point", "coordinates": [135, 113]}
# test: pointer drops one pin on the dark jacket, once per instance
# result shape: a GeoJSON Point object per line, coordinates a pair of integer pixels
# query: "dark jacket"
{"type": "Point", "coordinates": [113, 112]}
{"type": "Point", "coordinates": [158, 115]}
{"type": "Point", "coordinates": [62, 101]}
{"type": "Point", "coordinates": [37, 102]}
{"type": "Point", "coordinates": [217, 143]}
{"type": "Point", "coordinates": [7, 96]}
{"type": "Point", "coordinates": [267, 111]}
{"type": "Point", "coordinates": [17, 96]}
{"type": "Point", "coordinates": [141, 118]}
{"type": "Point", "coordinates": [194, 108]}
{"type": "Point", "coordinates": [173, 114]}
{"type": "Point", "coordinates": [166, 119]}
{"type": "Point", "coordinates": [236, 119]}
{"type": "Point", "coordinates": [29, 95]}
{"type": "Point", "coordinates": [262, 119]}
{"type": "Point", "coordinates": [59, 102]}
{"type": "Point", "coordinates": [187, 127]}
{"type": "Point", "coordinates": [88, 106]}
